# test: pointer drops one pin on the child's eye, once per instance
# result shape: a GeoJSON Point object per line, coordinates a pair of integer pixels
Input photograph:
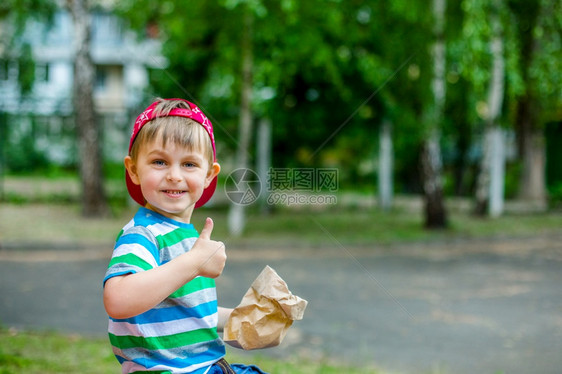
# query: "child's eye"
{"type": "Point", "coordinates": [189, 164]}
{"type": "Point", "coordinates": [158, 162]}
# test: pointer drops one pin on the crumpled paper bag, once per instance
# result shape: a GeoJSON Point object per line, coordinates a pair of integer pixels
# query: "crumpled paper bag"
{"type": "Point", "coordinates": [264, 315]}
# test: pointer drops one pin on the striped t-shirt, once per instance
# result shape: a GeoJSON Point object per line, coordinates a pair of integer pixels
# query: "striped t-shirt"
{"type": "Point", "coordinates": [179, 335]}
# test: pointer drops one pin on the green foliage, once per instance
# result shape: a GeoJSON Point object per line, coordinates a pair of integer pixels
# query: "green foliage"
{"type": "Point", "coordinates": [537, 27]}
{"type": "Point", "coordinates": [327, 73]}
{"type": "Point", "coordinates": [322, 69]}
{"type": "Point", "coordinates": [553, 134]}
{"type": "Point", "coordinates": [512, 178]}
{"type": "Point", "coordinates": [21, 10]}
{"type": "Point", "coordinates": [23, 157]}
{"type": "Point", "coordinates": [24, 142]}
{"type": "Point", "coordinates": [555, 195]}
{"type": "Point", "coordinates": [546, 69]}
{"type": "Point", "coordinates": [474, 46]}
{"type": "Point", "coordinates": [114, 171]}
{"type": "Point", "coordinates": [26, 69]}
{"type": "Point", "coordinates": [16, 13]}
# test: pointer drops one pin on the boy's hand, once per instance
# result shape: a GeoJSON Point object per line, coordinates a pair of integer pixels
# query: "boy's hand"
{"type": "Point", "coordinates": [210, 254]}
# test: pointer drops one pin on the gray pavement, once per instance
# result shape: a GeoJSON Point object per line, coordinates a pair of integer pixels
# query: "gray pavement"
{"type": "Point", "coordinates": [461, 307]}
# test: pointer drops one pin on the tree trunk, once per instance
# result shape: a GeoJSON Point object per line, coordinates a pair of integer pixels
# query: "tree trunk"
{"type": "Point", "coordinates": [431, 164]}
{"type": "Point", "coordinates": [3, 137]}
{"type": "Point", "coordinates": [482, 193]}
{"type": "Point", "coordinates": [435, 214]}
{"type": "Point", "coordinates": [533, 179]}
{"type": "Point", "coordinates": [94, 201]}
{"type": "Point", "coordinates": [491, 179]}
{"type": "Point", "coordinates": [530, 136]}
{"type": "Point", "coordinates": [386, 167]}
{"type": "Point", "coordinates": [531, 147]}
{"type": "Point", "coordinates": [236, 214]}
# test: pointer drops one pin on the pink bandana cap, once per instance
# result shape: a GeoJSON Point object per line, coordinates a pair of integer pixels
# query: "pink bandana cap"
{"type": "Point", "coordinates": [195, 114]}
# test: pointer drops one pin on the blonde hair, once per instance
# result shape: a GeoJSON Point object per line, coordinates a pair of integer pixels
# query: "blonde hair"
{"type": "Point", "coordinates": [182, 131]}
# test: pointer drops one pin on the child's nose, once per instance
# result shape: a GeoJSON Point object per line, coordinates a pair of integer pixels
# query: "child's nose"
{"type": "Point", "coordinates": [174, 174]}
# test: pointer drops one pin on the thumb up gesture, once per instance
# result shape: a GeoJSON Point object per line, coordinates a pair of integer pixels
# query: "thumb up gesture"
{"type": "Point", "coordinates": [210, 255]}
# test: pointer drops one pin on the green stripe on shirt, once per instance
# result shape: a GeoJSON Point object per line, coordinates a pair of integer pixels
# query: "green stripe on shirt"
{"type": "Point", "coordinates": [174, 237]}
{"type": "Point", "coordinates": [164, 342]}
{"type": "Point", "coordinates": [130, 259]}
{"type": "Point", "coordinates": [194, 285]}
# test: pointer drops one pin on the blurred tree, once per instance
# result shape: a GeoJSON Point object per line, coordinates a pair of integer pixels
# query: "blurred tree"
{"type": "Point", "coordinates": [218, 67]}
{"type": "Point", "coordinates": [532, 88]}
{"type": "Point", "coordinates": [458, 126]}
{"type": "Point", "coordinates": [26, 69]}
{"type": "Point", "coordinates": [94, 201]}
{"type": "Point", "coordinates": [17, 12]}
{"type": "Point", "coordinates": [236, 216]}
{"type": "Point", "coordinates": [384, 69]}
{"type": "Point", "coordinates": [395, 61]}
{"type": "Point", "coordinates": [490, 182]}
{"type": "Point", "coordinates": [296, 65]}
{"type": "Point", "coordinates": [495, 140]}
{"type": "Point", "coordinates": [431, 160]}
{"type": "Point", "coordinates": [329, 73]}
{"type": "Point", "coordinates": [538, 27]}
{"type": "Point", "coordinates": [13, 17]}
{"type": "Point", "coordinates": [203, 55]}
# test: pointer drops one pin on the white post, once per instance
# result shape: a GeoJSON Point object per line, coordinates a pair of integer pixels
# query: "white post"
{"type": "Point", "coordinates": [497, 172]}
{"type": "Point", "coordinates": [386, 162]}
{"type": "Point", "coordinates": [264, 158]}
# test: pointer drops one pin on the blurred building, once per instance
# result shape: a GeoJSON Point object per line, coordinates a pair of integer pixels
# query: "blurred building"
{"type": "Point", "coordinates": [122, 63]}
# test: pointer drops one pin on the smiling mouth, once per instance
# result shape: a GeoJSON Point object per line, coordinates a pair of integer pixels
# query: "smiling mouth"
{"type": "Point", "coordinates": [174, 192]}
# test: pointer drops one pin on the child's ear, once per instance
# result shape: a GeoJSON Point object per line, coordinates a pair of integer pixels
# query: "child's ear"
{"type": "Point", "coordinates": [212, 173]}
{"type": "Point", "coordinates": [131, 169]}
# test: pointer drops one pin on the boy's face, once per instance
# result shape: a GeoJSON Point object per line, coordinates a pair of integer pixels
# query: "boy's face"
{"type": "Point", "coordinates": [171, 178]}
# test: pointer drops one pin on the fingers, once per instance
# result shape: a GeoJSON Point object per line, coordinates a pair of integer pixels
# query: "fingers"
{"type": "Point", "coordinates": [209, 254]}
{"type": "Point", "coordinates": [207, 229]}
{"type": "Point", "coordinates": [213, 259]}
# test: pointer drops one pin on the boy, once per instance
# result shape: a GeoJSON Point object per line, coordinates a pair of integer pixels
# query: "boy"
{"type": "Point", "coordinates": [159, 289]}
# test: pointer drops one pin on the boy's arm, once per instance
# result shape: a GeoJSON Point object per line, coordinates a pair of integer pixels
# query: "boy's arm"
{"type": "Point", "coordinates": [224, 313]}
{"type": "Point", "coordinates": [132, 294]}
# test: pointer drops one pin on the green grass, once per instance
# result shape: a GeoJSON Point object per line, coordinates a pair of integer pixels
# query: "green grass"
{"type": "Point", "coordinates": [63, 223]}
{"type": "Point", "coordinates": [367, 227]}
{"type": "Point", "coordinates": [51, 205]}
{"type": "Point", "coordinates": [24, 352]}
{"type": "Point", "coordinates": [50, 352]}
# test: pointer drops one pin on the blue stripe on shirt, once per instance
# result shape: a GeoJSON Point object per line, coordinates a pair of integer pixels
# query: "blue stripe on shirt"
{"type": "Point", "coordinates": [141, 240]}
{"type": "Point", "coordinates": [173, 313]}
{"type": "Point", "coordinates": [184, 360]}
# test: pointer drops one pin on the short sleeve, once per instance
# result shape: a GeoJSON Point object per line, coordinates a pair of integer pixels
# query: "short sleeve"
{"type": "Point", "coordinates": [135, 250]}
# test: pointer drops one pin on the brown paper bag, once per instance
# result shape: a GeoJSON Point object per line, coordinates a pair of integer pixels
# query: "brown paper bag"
{"type": "Point", "coordinates": [264, 315]}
